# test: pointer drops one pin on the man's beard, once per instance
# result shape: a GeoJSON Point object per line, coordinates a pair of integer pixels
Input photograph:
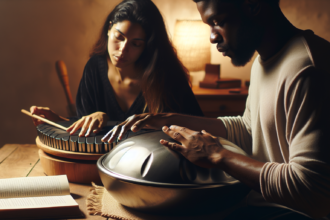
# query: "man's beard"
{"type": "Point", "coordinates": [248, 39]}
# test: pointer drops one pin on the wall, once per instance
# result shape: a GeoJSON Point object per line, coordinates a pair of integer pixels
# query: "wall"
{"type": "Point", "coordinates": [36, 33]}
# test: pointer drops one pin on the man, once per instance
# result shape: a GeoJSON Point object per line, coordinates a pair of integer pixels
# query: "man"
{"type": "Point", "coordinates": [285, 125]}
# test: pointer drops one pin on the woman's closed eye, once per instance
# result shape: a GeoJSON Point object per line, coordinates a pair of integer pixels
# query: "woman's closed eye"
{"type": "Point", "coordinates": [138, 43]}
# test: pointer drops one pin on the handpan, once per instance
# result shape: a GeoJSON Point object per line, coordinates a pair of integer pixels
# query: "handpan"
{"type": "Point", "coordinates": [142, 174]}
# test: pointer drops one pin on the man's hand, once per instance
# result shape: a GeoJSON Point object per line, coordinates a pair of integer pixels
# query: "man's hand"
{"type": "Point", "coordinates": [45, 112]}
{"type": "Point", "coordinates": [135, 123]}
{"type": "Point", "coordinates": [201, 148]}
{"type": "Point", "coordinates": [93, 122]}
{"type": "Point", "coordinates": [205, 150]}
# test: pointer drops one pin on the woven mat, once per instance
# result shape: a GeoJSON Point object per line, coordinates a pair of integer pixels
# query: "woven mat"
{"type": "Point", "coordinates": [100, 202]}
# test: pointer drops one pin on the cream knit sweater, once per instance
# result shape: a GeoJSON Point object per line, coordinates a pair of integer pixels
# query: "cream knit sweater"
{"type": "Point", "coordinates": [285, 124]}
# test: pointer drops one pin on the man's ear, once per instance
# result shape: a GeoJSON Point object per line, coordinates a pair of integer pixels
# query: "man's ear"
{"type": "Point", "coordinates": [252, 7]}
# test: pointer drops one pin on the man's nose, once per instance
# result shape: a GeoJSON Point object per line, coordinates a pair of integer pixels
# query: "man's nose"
{"type": "Point", "coordinates": [215, 37]}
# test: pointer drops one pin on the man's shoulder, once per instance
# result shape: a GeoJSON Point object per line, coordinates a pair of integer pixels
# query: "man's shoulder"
{"type": "Point", "coordinates": [304, 51]}
{"type": "Point", "coordinates": [318, 50]}
{"type": "Point", "coordinates": [292, 57]}
{"type": "Point", "coordinates": [306, 56]}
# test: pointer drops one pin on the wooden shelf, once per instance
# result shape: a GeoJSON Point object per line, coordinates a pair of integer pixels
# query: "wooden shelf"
{"type": "Point", "coordinates": [221, 102]}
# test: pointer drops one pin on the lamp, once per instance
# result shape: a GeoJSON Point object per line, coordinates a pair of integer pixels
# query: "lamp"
{"type": "Point", "coordinates": [191, 40]}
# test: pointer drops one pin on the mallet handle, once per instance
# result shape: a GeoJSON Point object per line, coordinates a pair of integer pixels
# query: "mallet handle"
{"type": "Point", "coordinates": [43, 119]}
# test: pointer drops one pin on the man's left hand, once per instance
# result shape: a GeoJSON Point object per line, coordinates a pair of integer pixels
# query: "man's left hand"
{"type": "Point", "coordinates": [201, 148]}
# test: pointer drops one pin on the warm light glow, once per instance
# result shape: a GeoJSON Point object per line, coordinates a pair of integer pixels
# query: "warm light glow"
{"type": "Point", "coordinates": [191, 40]}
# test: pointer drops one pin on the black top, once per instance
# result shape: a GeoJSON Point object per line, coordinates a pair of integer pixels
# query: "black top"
{"type": "Point", "coordinates": [95, 93]}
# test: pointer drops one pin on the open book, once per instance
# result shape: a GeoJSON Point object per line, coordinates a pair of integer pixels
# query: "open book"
{"type": "Point", "coordinates": [37, 197]}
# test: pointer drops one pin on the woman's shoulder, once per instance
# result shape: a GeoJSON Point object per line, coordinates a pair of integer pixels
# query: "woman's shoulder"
{"type": "Point", "coordinates": [96, 60]}
{"type": "Point", "coordinates": [96, 65]}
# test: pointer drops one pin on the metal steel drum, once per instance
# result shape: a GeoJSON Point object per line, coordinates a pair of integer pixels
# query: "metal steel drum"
{"type": "Point", "coordinates": [141, 173]}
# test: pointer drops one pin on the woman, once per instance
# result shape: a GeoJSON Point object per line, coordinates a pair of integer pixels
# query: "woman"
{"type": "Point", "coordinates": [133, 69]}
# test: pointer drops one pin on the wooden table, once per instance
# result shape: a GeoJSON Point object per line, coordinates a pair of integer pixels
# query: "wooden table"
{"type": "Point", "coordinates": [221, 102]}
{"type": "Point", "coordinates": [22, 160]}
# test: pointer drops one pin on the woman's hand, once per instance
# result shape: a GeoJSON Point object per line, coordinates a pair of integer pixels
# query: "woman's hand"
{"type": "Point", "coordinates": [137, 122]}
{"type": "Point", "coordinates": [45, 112]}
{"type": "Point", "coordinates": [200, 148]}
{"type": "Point", "coordinates": [93, 122]}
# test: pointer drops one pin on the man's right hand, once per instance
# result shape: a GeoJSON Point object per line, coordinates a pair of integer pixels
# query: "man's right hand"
{"type": "Point", "coordinates": [44, 112]}
{"type": "Point", "coordinates": [137, 122]}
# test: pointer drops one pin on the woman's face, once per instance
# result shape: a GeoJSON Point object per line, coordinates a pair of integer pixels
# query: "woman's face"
{"type": "Point", "coordinates": [126, 42]}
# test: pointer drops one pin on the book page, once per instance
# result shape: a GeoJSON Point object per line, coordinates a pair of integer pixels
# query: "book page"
{"type": "Point", "coordinates": [34, 186]}
{"type": "Point", "coordinates": [37, 202]}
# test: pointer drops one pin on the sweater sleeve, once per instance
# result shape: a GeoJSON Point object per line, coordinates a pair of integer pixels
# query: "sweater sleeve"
{"type": "Point", "coordinates": [304, 182]}
{"type": "Point", "coordinates": [85, 102]}
{"type": "Point", "coordinates": [239, 129]}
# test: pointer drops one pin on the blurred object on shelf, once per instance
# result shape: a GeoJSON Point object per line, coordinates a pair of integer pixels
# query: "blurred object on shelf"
{"type": "Point", "coordinates": [212, 75]}
{"type": "Point", "coordinates": [235, 90]}
{"type": "Point", "coordinates": [212, 79]}
{"type": "Point", "coordinates": [227, 83]}
{"type": "Point", "coordinates": [247, 83]}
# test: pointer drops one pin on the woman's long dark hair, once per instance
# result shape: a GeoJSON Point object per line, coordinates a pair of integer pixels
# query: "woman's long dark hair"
{"type": "Point", "coordinates": [163, 71]}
